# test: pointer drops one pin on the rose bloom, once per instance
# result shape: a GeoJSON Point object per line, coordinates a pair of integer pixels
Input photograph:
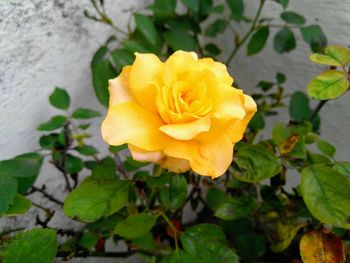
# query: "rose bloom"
{"type": "Point", "coordinates": [181, 114]}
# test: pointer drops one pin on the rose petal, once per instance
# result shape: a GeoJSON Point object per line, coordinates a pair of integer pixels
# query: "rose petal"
{"type": "Point", "coordinates": [187, 131]}
{"type": "Point", "coordinates": [236, 127]}
{"type": "Point", "coordinates": [119, 89]}
{"type": "Point", "coordinates": [211, 155]}
{"type": "Point", "coordinates": [175, 165]}
{"type": "Point", "coordinates": [141, 155]}
{"type": "Point", "coordinates": [130, 123]}
{"type": "Point", "coordinates": [144, 76]}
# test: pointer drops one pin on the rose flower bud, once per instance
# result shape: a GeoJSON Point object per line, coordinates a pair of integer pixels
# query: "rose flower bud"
{"type": "Point", "coordinates": [181, 114]}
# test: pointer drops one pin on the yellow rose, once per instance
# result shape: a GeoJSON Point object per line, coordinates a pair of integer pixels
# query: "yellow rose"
{"type": "Point", "coordinates": [182, 114]}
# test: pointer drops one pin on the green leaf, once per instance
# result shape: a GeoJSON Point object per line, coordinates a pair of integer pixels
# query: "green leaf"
{"type": "Point", "coordinates": [60, 99]}
{"type": "Point", "coordinates": [133, 46]}
{"type": "Point", "coordinates": [122, 58]}
{"type": "Point", "coordinates": [99, 55]}
{"type": "Point", "coordinates": [20, 206]}
{"type": "Point", "coordinates": [174, 195]}
{"type": "Point", "coordinates": [284, 3]}
{"type": "Point", "coordinates": [145, 242]}
{"type": "Point", "coordinates": [8, 191]}
{"type": "Point", "coordinates": [53, 124]}
{"type": "Point", "coordinates": [87, 150]}
{"type": "Point", "coordinates": [257, 122]}
{"type": "Point", "coordinates": [102, 71]}
{"type": "Point", "coordinates": [258, 40]}
{"type": "Point", "coordinates": [326, 148]}
{"type": "Point", "coordinates": [180, 40]}
{"type": "Point", "coordinates": [33, 246]}
{"type": "Point", "coordinates": [299, 109]}
{"type": "Point", "coordinates": [284, 41]}
{"type": "Point", "coordinates": [326, 193]}
{"type": "Point", "coordinates": [314, 36]}
{"type": "Point", "coordinates": [280, 77]}
{"type": "Point", "coordinates": [343, 168]}
{"type": "Point", "coordinates": [24, 168]}
{"type": "Point", "coordinates": [212, 49]}
{"type": "Point", "coordinates": [215, 28]}
{"type": "Point", "coordinates": [207, 243]}
{"type": "Point", "coordinates": [328, 85]}
{"type": "Point", "coordinates": [192, 5]}
{"type": "Point", "coordinates": [163, 8]}
{"type": "Point", "coordinates": [88, 240]}
{"type": "Point", "coordinates": [236, 8]}
{"type": "Point", "coordinates": [105, 170]}
{"type": "Point", "coordinates": [146, 27]}
{"type": "Point", "coordinates": [333, 56]}
{"type": "Point", "coordinates": [73, 164]}
{"type": "Point", "coordinates": [83, 113]}
{"type": "Point", "coordinates": [95, 199]}
{"type": "Point", "coordinates": [236, 207]}
{"type": "Point", "coordinates": [293, 18]}
{"type": "Point", "coordinates": [264, 85]}
{"type": "Point", "coordinates": [215, 196]}
{"type": "Point", "coordinates": [256, 163]}
{"type": "Point", "coordinates": [135, 225]}
{"type": "Point", "coordinates": [118, 148]}
{"type": "Point", "coordinates": [48, 141]}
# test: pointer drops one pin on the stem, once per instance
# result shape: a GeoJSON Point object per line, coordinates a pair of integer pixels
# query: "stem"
{"type": "Point", "coordinates": [63, 254]}
{"type": "Point", "coordinates": [246, 36]}
{"type": "Point", "coordinates": [11, 231]}
{"type": "Point", "coordinates": [47, 195]}
{"type": "Point", "coordinates": [167, 220]}
{"type": "Point", "coordinates": [120, 166]}
{"type": "Point", "coordinates": [318, 108]}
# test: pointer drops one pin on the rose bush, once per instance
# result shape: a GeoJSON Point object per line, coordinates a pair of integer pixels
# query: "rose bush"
{"type": "Point", "coordinates": [182, 114]}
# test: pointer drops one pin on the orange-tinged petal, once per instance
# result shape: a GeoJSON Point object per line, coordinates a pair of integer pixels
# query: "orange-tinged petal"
{"type": "Point", "coordinates": [119, 89]}
{"type": "Point", "coordinates": [130, 123]}
{"type": "Point", "coordinates": [211, 155]}
{"type": "Point", "coordinates": [175, 165]}
{"type": "Point", "coordinates": [141, 155]}
{"type": "Point", "coordinates": [145, 75]}
{"type": "Point", "coordinates": [236, 127]}
{"type": "Point", "coordinates": [187, 131]}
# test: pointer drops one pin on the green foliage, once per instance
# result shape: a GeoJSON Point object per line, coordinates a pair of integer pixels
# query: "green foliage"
{"type": "Point", "coordinates": [284, 41]}
{"type": "Point", "coordinates": [60, 99]}
{"type": "Point", "coordinates": [249, 214]}
{"type": "Point", "coordinates": [328, 85]}
{"type": "Point", "coordinates": [255, 163]}
{"type": "Point", "coordinates": [33, 246]}
{"type": "Point", "coordinates": [326, 194]}
{"type": "Point", "coordinates": [135, 225]}
{"type": "Point", "coordinates": [258, 41]}
{"type": "Point", "coordinates": [82, 113]}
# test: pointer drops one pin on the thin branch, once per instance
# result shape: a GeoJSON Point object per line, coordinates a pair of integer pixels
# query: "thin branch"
{"type": "Point", "coordinates": [317, 109]}
{"type": "Point", "coordinates": [47, 195]}
{"type": "Point", "coordinates": [120, 166]}
{"type": "Point", "coordinates": [246, 36]}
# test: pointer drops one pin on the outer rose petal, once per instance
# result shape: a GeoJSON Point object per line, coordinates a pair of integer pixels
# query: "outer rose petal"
{"type": "Point", "coordinates": [210, 155]}
{"type": "Point", "coordinates": [145, 73]}
{"type": "Point", "coordinates": [119, 89]}
{"type": "Point", "coordinates": [130, 123]}
{"type": "Point", "coordinates": [187, 131]}
{"type": "Point", "coordinates": [173, 164]}
{"type": "Point", "coordinates": [181, 61]}
{"type": "Point", "coordinates": [236, 127]}
{"type": "Point", "coordinates": [145, 156]}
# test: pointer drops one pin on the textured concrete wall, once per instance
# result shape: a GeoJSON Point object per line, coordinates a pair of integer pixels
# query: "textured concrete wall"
{"type": "Point", "coordinates": [50, 43]}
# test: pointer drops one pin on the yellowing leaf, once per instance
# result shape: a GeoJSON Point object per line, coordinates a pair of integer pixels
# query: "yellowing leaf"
{"type": "Point", "coordinates": [321, 246]}
{"type": "Point", "coordinates": [288, 145]}
{"type": "Point", "coordinates": [333, 56]}
{"type": "Point", "coordinates": [328, 85]}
